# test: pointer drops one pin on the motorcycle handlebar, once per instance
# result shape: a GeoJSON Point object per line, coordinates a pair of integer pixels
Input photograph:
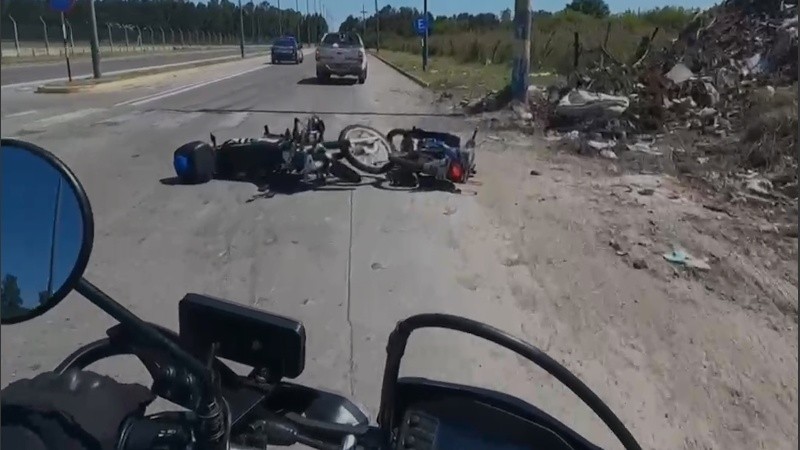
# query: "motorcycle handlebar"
{"type": "Point", "coordinates": [148, 433]}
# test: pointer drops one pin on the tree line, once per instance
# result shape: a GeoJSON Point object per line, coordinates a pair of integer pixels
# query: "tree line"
{"type": "Point", "coordinates": [398, 22]}
{"type": "Point", "coordinates": [261, 20]}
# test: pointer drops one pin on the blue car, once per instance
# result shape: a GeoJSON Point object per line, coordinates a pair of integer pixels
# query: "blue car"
{"type": "Point", "coordinates": [287, 49]}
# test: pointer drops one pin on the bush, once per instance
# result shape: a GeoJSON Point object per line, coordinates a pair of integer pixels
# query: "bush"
{"type": "Point", "coordinates": [552, 38]}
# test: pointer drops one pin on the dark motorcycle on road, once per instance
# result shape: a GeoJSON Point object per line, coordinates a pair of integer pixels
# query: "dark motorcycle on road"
{"type": "Point", "coordinates": [302, 152]}
{"type": "Point", "coordinates": [47, 239]}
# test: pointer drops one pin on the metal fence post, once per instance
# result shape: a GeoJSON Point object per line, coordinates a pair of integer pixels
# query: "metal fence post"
{"type": "Point", "coordinates": [16, 35]}
{"type": "Point", "coordinates": [46, 41]}
{"type": "Point", "coordinates": [71, 40]}
{"type": "Point", "coordinates": [127, 41]}
{"type": "Point", "coordinates": [183, 41]}
{"type": "Point", "coordinates": [163, 37]}
{"type": "Point", "coordinates": [110, 38]}
{"type": "Point", "coordinates": [152, 38]}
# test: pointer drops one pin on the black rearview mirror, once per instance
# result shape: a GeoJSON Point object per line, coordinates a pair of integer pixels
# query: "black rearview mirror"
{"type": "Point", "coordinates": [46, 231]}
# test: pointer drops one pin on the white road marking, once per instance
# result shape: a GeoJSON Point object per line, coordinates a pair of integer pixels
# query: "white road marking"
{"type": "Point", "coordinates": [183, 89]}
{"type": "Point", "coordinates": [62, 118]}
{"type": "Point", "coordinates": [20, 114]}
{"type": "Point", "coordinates": [145, 97]}
{"type": "Point", "coordinates": [232, 120]}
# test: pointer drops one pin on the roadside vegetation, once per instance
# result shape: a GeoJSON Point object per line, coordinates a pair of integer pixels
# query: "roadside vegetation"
{"type": "Point", "coordinates": [460, 43]}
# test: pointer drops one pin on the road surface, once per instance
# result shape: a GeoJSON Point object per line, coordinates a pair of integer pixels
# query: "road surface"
{"type": "Point", "coordinates": [28, 72]}
{"type": "Point", "coordinates": [347, 262]}
{"type": "Point", "coordinates": [684, 367]}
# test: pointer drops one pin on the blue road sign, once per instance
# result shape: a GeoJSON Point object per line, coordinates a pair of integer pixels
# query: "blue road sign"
{"type": "Point", "coordinates": [62, 5]}
{"type": "Point", "coordinates": [421, 25]}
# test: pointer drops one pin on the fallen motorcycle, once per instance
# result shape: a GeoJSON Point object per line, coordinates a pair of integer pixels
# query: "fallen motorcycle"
{"type": "Point", "coordinates": [44, 202]}
{"type": "Point", "coordinates": [422, 153]}
{"type": "Point", "coordinates": [301, 151]}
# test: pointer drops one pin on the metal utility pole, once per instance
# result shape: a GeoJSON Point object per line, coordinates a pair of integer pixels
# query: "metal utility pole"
{"type": "Point", "coordinates": [377, 27]}
{"type": "Point", "coordinates": [241, 29]}
{"type": "Point", "coordinates": [316, 22]}
{"type": "Point", "coordinates": [253, 34]}
{"type": "Point", "coordinates": [425, 37]}
{"type": "Point", "coordinates": [297, 8]}
{"type": "Point", "coordinates": [308, 22]}
{"type": "Point", "coordinates": [522, 36]}
{"type": "Point", "coordinates": [364, 18]}
{"type": "Point", "coordinates": [280, 19]}
{"type": "Point", "coordinates": [95, 42]}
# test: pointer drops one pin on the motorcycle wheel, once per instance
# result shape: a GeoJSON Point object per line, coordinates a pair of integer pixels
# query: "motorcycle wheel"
{"type": "Point", "coordinates": [358, 163]}
{"type": "Point", "coordinates": [344, 173]}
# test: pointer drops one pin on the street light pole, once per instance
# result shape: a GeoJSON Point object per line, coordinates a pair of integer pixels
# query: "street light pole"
{"type": "Point", "coordinates": [297, 8]}
{"type": "Point", "coordinates": [377, 27]}
{"type": "Point", "coordinates": [308, 23]}
{"type": "Point", "coordinates": [280, 19]}
{"type": "Point", "coordinates": [241, 29]}
{"type": "Point", "coordinates": [95, 44]}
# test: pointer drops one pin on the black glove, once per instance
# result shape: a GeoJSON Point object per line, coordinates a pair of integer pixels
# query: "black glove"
{"type": "Point", "coordinates": [76, 410]}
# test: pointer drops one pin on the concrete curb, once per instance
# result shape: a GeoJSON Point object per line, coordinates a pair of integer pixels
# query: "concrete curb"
{"type": "Point", "coordinates": [86, 84]}
{"type": "Point", "coordinates": [411, 77]}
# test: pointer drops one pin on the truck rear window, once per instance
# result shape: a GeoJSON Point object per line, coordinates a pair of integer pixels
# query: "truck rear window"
{"type": "Point", "coordinates": [344, 40]}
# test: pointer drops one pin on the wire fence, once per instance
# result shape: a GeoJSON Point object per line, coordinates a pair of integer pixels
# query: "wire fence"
{"type": "Point", "coordinates": [47, 39]}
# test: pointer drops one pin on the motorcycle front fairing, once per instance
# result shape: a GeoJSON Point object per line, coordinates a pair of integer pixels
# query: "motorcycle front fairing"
{"type": "Point", "coordinates": [446, 416]}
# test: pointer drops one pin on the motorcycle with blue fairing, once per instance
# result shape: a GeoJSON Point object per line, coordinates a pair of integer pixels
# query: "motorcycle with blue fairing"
{"type": "Point", "coordinates": [47, 238]}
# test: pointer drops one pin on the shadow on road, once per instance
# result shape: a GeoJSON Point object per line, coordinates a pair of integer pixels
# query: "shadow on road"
{"type": "Point", "coordinates": [284, 184]}
{"type": "Point", "coordinates": [330, 81]}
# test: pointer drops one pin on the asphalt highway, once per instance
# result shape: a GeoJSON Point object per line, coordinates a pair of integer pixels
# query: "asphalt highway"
{"type": "Point", "coordinates": [82, 66]}
{"type": "Point", "coordinates": [347, 261]}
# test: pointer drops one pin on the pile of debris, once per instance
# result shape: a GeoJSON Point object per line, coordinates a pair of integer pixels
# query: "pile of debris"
{"type": "Point", "coordinates": [706, 81]}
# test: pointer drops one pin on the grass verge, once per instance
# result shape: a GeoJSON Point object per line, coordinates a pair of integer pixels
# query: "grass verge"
{"type": "Point", "coordinates": [462, 80]}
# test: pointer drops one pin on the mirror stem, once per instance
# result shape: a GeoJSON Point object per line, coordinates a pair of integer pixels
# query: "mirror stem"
{"type": "Point", "coordinates": [140, 327]}
{"type": "Point", "coordinates": [56, 213]}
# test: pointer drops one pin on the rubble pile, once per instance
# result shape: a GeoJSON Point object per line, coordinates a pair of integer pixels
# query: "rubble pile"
{"type": "Point", "coordinates": [706, 81]}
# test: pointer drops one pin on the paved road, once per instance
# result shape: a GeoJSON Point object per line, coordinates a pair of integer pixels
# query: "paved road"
{"type": "Point", "coordinates": [20, 73]}
{"type": "Point", "coordinates": [348, 262]}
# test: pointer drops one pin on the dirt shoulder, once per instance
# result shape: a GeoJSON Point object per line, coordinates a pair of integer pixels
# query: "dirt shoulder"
{"type": "Point", "coordinates": [699, 354]}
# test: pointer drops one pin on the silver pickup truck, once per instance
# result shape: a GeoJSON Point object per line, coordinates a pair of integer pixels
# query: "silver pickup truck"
{"type": "Point", "coordinates": [341, 55]}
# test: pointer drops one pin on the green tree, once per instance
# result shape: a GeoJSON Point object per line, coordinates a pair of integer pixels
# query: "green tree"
{"type": "Point", "coordinates": [10, 296]}
{"type": "Point", "coordinates": [505, 16]}
{"type": "Point", "coordinates": [596, 8]}
{"type": "Point", "coordinates": [10, 293]}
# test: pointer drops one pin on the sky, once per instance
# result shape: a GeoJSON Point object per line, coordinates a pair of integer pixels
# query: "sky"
{"type": "Point", "coordinates": [340, 9]}
{"type": "Point", "coordinates": [29, 186]}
